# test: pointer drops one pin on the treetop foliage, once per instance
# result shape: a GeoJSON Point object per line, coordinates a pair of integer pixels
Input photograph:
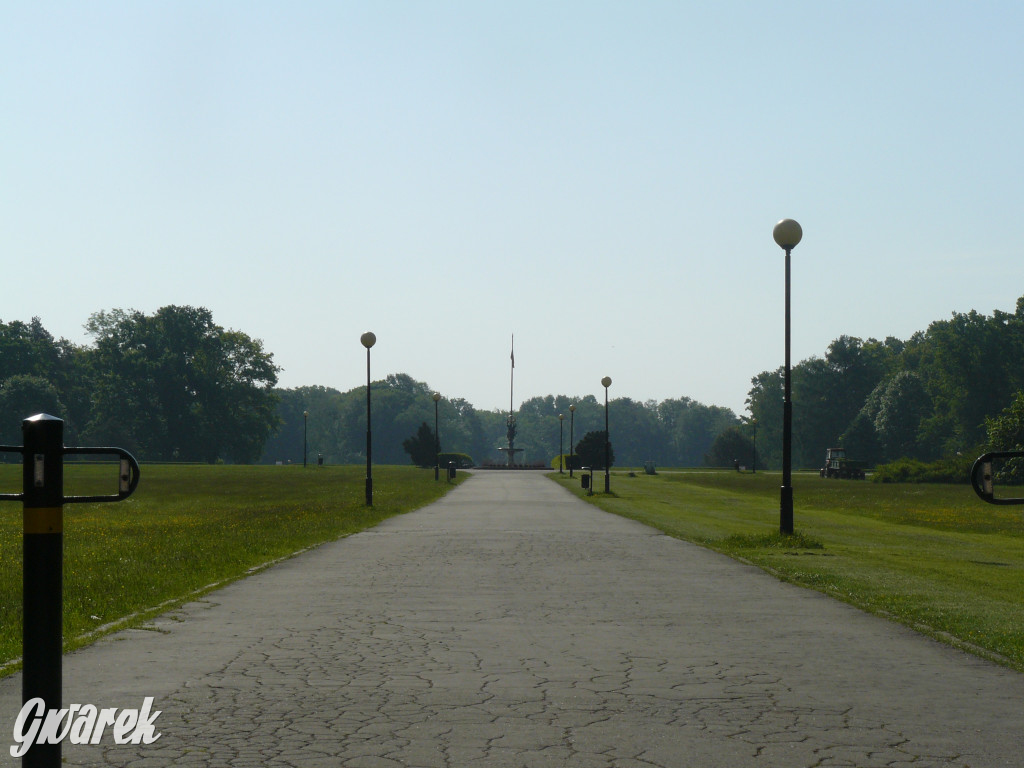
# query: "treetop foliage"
{"type": "Point", "coordinates": [174, 385]}
{"type": "Point", "coordinates": [929, 397]}
{"type": "Point", "coordinates": [169, 386]}
{"type": "Point", "coordinates": [422, 447]}
{"type": "Point", "coordinates": [590, 450]}
{"type": "Point", "coordinates": [671, 433]}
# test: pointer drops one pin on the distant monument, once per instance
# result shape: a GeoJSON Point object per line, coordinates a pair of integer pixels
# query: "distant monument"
{"type": "Point", "coordinates": [510, 423]}
{"type": "Point", "coordinates": [510, 433]}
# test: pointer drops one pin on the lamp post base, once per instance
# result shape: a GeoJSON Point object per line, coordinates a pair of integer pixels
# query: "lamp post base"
{"type": "Point", "coordinates": [786, 510]}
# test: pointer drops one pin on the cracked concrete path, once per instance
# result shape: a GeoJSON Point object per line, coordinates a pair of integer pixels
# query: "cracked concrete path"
{"type": "Point", "coordinates": [511, 624]}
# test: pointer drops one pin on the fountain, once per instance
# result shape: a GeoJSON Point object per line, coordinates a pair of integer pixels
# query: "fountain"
{"type": "Point", "coordinates": [510, 433]}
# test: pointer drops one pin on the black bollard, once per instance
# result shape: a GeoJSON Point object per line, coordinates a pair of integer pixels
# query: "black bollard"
{"type": "Point", "coordinates": [43, 574]}
{"type": "Point", "coordinates": [43, 503]}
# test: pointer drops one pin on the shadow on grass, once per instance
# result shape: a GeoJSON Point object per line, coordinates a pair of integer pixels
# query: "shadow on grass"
{"type": "Point", "coordinates": [795, 540]}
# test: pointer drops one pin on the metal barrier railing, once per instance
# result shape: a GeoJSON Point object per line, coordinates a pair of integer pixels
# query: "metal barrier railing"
{"type": "Point", "coordinates": [43, 501]}
{"type": "Point", "coordinates": [983, 478]}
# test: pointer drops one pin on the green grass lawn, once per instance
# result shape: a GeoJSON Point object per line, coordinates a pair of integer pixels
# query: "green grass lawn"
{"type": "Point", "coordinates": [934, 557]}
{"type": "Point", "coordinates": [186, 529]}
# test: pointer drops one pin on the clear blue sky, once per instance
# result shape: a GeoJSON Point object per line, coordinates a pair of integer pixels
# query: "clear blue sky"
{"type": "Point", "coordinates": [599, 178]}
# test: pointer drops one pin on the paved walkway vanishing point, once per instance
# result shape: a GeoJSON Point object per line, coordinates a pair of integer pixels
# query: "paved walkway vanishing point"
{"type": "Point", "coordinates": [511, 624]}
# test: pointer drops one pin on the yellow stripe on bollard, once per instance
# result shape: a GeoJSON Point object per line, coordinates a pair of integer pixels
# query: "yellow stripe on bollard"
{"type": "Point", "coordinates": [44, 519]}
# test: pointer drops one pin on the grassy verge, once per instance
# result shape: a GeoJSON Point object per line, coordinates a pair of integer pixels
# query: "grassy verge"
{"type": "Point", "coordinates": [187, 529]}
{"type": "Point", "coordinates": [933, 557]}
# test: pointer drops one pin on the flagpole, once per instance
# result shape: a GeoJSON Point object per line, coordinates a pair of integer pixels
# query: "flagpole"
{"type": "Point", "coordinates": [512, 376]}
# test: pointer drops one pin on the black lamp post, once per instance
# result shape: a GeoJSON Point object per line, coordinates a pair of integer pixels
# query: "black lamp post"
{"type": "Point", "coordinates": [606, 382]}
{"type": "Point", "coordinates": [368, 340]}
{"type": "Point", "coordinates": [572, 418]}
{"type": "Point", "coordinates": [305, 442]}
{"type": "Point", "coordinates": [753, 458]}
{"type": "Point", "coordinates": [437, 439]}
{"type": "Point", "coordinates": [561, 418]}
{"type": "Point", "coordinates": [787, 234]}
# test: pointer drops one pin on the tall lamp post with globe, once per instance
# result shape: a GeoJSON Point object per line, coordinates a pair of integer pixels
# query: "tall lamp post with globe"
{"type": "Point", "coordinates": [437, 439]}
{"type": "Point", "coordinates": [753, 438]}
{"type": "Point", "coordinates": [572, 416]}
{"type": "Point", "coordinates": [606, 382]}
{"type": "Point", "coordinates": [787, 234]}
{"type": "Point", "coordinates": [305, 442]}
{"type": "Point", "coordinates": [561, 448]}
{"type": "Point", "coordinates": [368, 340]}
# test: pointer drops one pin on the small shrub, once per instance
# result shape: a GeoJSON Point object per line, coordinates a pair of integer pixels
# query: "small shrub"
{"type": "Point", "coordinates": [566, 459]}
{"type": "Point", "coordinates": [956, 469]}
{"type": "Point", "coordinates": [462, 460]}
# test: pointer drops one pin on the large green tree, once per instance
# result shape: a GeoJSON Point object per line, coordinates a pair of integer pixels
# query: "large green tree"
{"type": "Point", "coordinates": [971, 365]}
{"type": "Point", "coordinates": [765, 401]}
{"type": "Point", "coordinates": [828, 395]}
{"type": "Point", "coordinates": [27, 396]}
{"type": "Point", "coordinates": [690, 428]}
{"type": "Point", "coordinates": [28, 349]}
{"type": "Point", "coordinates": [320, 428]}
{"type": "Point", "coordinates": [336, 425]}
{"type": "Point", "coordinates": [590, 450]}
{"type": "Point", "coordinates": [399, 404]}
{"type": "Point", "coordinates": [538, 424]}
{"type": "Point", "coordinates": [733, 445]}
{"type": "Point", "coordinates": [422, 447]}
{"type": "Point", "coordinates": [903, 404]}
{"type": "Point", "coordinates": [1005, 432]}
{"type": "Point", "coordinates": [176, 386]}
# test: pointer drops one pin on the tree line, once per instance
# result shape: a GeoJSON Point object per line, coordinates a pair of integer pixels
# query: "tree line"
{"type": "Point", "coordinates": [176, 386]}
{"type": "Point", "coordinates": [171, 386]}
{"type": "Point", "coordinates": [679, 432]}
{"type": "Point", "coordinates": [944, 392]}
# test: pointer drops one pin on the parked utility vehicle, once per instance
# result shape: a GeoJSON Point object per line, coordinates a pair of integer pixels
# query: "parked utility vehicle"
{"type": "Point", "coordinates": [837, 465]}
